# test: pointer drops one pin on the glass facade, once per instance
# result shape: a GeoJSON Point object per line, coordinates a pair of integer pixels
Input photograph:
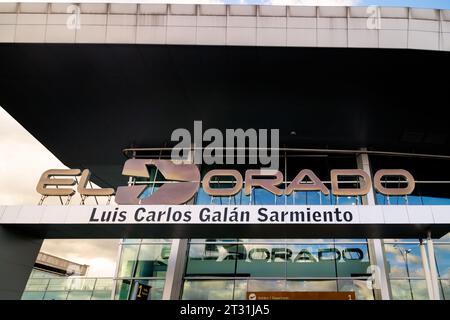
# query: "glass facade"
{"type": "Point", "coordinates": [241, 265]}
{"type": "Point", "coordinates": [48, 286]}
{"type": "Point", "coordinates": [144, 261]}
{"type": "Point", "coordinates": [229, 268]}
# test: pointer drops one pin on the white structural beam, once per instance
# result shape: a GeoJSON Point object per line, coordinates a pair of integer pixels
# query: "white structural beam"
{"type": "Point", "coordinates": [376, 246]}
{"type": "Point", "coordinates": [226, 25]}
{"type": "Point", "coordinates": [175, 270]}
{"type": "Point", "coordinates": [433, 269]}
{"type": "Point", "coordinates": [426, 269]}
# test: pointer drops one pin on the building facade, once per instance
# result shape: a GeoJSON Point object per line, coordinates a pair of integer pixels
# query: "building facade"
{"type": "Point", "coordinates": [341, 84]}
{"type": "Point", "coordinates": [230, 268]}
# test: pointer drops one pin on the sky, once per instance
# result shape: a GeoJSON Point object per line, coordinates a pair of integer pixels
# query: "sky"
{"type": "Point", "coordinates": [18, 179]}
{"type": "Point", "coordinates": [438, 4]}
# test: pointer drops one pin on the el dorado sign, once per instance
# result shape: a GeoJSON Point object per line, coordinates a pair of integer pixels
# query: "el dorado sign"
{"type": "Point", "coordinates": [165, 214]}
{"type": "Point", "coordinates": [185, 180]}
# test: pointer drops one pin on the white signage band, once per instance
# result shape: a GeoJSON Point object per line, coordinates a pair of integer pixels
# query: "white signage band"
{"type": "Point", "coordinates": [344, 220]}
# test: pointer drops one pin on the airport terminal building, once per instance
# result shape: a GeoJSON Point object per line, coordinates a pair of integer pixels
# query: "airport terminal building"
{"type": "Point", "coordinates": [357, 94]}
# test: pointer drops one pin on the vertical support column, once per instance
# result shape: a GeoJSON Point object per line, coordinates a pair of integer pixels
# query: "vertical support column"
{"type": "Point", "coordinates": [376, 246]}
{"type": "Point", "coordinates": [426, 269]}
{"type": "Point", "coordinates": [433, 269]}
{"type": "Point", "coordinates": [18, 254]}
{"type": "Point", "coordinates": [116, 272]}
{"type": "Point", "coordinates": [178, 251]}
{"type": "Point", "coordinates": [175, 270]}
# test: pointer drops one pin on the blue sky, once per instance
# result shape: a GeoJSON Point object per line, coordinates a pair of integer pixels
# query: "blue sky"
{"type": "Point", "coordinates": [438, 4]}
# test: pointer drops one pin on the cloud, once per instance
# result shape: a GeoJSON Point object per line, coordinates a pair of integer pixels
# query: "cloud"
{"type": "Point", "coordinates": [99, 254]}
{"type": "Point", "coordinates": [20, 169]}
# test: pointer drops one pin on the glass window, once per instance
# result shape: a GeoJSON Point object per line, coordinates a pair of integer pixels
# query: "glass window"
{"type": "Point", "coordinates": [33, 295]}
{"type": "Point", "coordinates": [122, 289]}
{"type": "Point", "coordinates": [359, 287]}
{"type": "Point", "coordinates": [262, 196]}
{"type": "Point", "coordinates": [79, 295]}
{"type": "Point", "coordinates": [208, 290]}
{"type": "Point", "coordinates": [445, 238]}
{"type": "Point", "coordinates": [82, 284]}
{"type": "Point", "coordinates": [103, 289]}
{"type": "Point", "coordinates": [404, 260]}
{"type": "Point", "coordinates": [261, 260]}
{"type": "Point", "coordinates": [56, 295]}
{"type": "Point", "coordinates": [312, 260]}
{"type": "Point", "coordinates": [156, 240]}
{"type": "Point", "coordinates": [131, 241]}
{"type": "Point", "coordinates": [104, 284]}
{"type": "Point", "coordinates": [37, 284]}
{"type": "Point", "coordinates": [152, 260]}
{"type": "Point", "coordinates": [127, 260]}
{"type": "Point", "coordinates": [266, 285]}
{"type": "Point", "coordinates": [202, 197]}
{"type": "Point", "coordinates": [347, 200]}
{"type": "Point", "coordinates": [59, 284]}
{"type": "Point", "coordinates": [442, 253]}
{"type": "Point", "coordinates": [409, 289]}
{"type": "Point", "coordinates": [445, 289]}
{"type": "Point", "coordinates": [240, 290]}
{"type": "Point", "coordinates": [211, 259]}
{"type": "Point", "coordinates": [101, 295]}
{"type": "Point", "coordinates": [353, 260]}
{"type": "Point", "coordinates": [311, 285]}
{"type": "Point", "coordinates": [157, 288]}
{"type": "Point", "coordinates": [435, 201]}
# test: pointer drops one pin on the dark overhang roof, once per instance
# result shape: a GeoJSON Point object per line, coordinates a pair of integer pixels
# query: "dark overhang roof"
{"type": "Point", "coordinates": [86, 103]}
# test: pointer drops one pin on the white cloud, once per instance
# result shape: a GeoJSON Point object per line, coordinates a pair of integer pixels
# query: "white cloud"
{"type": "Point", "coordinates": [22, 162]}
{"type": "Point", "coordinates": [99, 254]}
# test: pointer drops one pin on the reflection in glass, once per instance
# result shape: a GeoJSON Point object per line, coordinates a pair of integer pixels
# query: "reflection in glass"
{"type": "Point", "coordinates": [156, 290]}
{"type": "Point", "coordinates": [360, 287]}
{"type": "Point", "coordinates": [445, 289]}
{"type": "Point", "coordinates": [312, 260]}
{"type": "Point", "coordinates": [266, 285]}
{"type": "Point", "coordinates": [37, 284]}
{"type": "Point", "coordinates": [211, 259]}
{"type": "Point", "coordinates": [33, 295]}
{"type": "Point", "coordinates": [79, 295]}
{"type": "Point", "coordinates": [208, 290]}
{"type": "Point", "coordinates": [311, 285]}
{"type": "Point", "coordinates": [83, 284]}
{"type": "Point", "coordinates": [409, 289]}
{"type": "Point", "coordinates": [261, 260]}
{"type": "Point", "coordinates": [122, 289]}
{"type": "Point", "coordinates": [56, 295]}
{"type": "Point", "coordinates": [152, 260]}
{"type": "Point", "coordinates": [404, 260]}
{"type": "Point", "coordinates": [442, 254]}
{"type": "Point", "coordinates": [240, 290]}
{"type": "Point", "coordinates": [127, 260]}
{"type": "Point", "coordinates": [262, 196]}
{"type": "Point", "coordinates": [354, 260]}
{"type": "Point", "coordinates": [59, 284]}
